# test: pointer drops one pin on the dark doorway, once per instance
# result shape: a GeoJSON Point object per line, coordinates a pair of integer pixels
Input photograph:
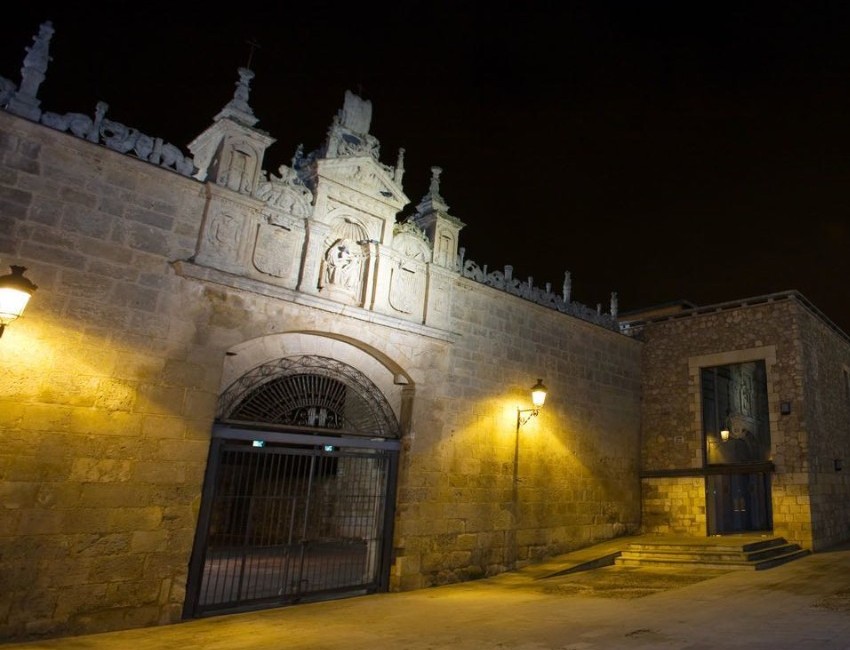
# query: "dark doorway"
{"type": "Point", "coordinates": [738, 503]}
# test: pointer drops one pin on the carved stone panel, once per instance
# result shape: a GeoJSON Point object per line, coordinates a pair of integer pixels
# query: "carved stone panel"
{"type": "Point", "coordinates": [277, 251]}
{"type": "Point", "coordinates": [228, 231]}
{"type": "Point", "coordinates": [407, 289]}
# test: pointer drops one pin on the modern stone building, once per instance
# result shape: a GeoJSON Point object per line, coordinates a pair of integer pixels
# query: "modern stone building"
{"type": "Point", "coordinates": [746, 421]}
{"type": "Point", "coordinates": [237, 389]}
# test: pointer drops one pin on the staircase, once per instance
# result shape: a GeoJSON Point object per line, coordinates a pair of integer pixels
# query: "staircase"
{"type": "Point", "coordinates": [733, 552]}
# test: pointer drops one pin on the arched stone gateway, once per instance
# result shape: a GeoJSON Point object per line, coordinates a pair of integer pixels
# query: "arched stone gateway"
{"type": "Point", "coordinates": [310, 391]}
{"type": "Point", "coordinates": [299, 490]}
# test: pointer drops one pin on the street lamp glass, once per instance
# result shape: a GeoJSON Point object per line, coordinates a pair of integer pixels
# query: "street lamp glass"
{"type": "Point", "coordinates": [538, 394]}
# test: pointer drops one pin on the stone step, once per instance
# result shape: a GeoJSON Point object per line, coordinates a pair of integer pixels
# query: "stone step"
{"type": "Point", "coordinates": [712, 554]}
{"type": "Point", "coordinates": [711, 544]}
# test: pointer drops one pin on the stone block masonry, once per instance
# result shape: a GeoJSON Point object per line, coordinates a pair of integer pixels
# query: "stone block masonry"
{"type": "Point", "coordinates": [809, 414]}
{"type": "Point", "coordinates": [110, 383]}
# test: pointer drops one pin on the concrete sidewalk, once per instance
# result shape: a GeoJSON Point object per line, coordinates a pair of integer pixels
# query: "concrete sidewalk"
{"type": "Point", "coordinates": [801, 605]}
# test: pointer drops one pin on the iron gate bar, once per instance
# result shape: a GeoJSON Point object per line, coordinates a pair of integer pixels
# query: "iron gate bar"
{"type": "Point", "coordinates": [246, 434]}
{"type": "Point", "coordinates": [229, 589]}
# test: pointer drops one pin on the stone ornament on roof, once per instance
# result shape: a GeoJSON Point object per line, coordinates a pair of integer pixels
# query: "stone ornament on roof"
{"type": "Point", "coordinates": [505, 281]}
{"type": "Point", "coordinates": [285, 192]}
{"type": "Point", "coordinates": [349, 133]}
{"type": "Point", "coordinates": [25, 101]}
{"type": "Point", "coordinates": [238, 109]}
{"type": "Point", "coordinates": [98, 129]}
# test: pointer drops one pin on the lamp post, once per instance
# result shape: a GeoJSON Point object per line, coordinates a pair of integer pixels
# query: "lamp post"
{"type": "Point", "coordinates": [538, 398]}
{"type": "Point", "coordinates": [15, 292]}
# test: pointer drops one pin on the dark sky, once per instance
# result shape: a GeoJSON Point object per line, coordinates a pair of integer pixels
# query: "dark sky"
{"type": "Point", "coordinates": [680, 150]}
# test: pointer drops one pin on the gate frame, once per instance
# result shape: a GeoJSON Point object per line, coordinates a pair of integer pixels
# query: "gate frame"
{"type": "Point", "coordinates": [225, 432]}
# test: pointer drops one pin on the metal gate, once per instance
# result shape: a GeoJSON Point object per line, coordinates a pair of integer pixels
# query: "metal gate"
{"type": "Point", "coordinates": [294, 512]}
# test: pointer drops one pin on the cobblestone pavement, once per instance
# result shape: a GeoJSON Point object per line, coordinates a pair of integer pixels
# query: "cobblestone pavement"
{"type": "Point", "coordinates": [801, 605]}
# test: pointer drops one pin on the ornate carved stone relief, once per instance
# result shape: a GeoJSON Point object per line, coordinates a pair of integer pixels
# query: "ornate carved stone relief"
{"type": "Point", "coordinates": [366, 179]}
{"type": "Point", "coordinates": [546, 297]}
{"type": "Point", "coordinates": [343, 271]}
{"type": "Point", "coordinates": [411, 241]}
{"type": "Point", "coordinates": [286, 192]}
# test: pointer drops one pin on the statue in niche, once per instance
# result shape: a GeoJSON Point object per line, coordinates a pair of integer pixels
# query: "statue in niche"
{"type": "Point", "coordinates": [343, 263]}
{"type": "Point", "coordinates": [747, 395]}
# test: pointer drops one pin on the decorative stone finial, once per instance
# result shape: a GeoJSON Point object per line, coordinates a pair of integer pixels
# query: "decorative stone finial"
{"type": "Point", "coordinates": [238, 108]}
{"type": "Point", "coordinates": [614, 305]}
{"type": "Point", "coordinates": [432, 201]}
{"type": "Point", "coordinates": [435, 181]}
{"type": "Point", "coordinates": [568, 287]}
{"type": "Point", "coordinates": [399, 166]}
{"type": "Point", "coordinates": [25, 101]}
{"type": "Point", "coordinates": [298, 156]}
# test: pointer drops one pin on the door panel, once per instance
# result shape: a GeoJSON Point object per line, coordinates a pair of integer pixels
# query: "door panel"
{"type": "Point", "coordinates": [738, 503]}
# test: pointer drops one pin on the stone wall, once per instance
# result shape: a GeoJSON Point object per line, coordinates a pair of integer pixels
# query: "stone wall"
{"type": "Point", "coordinates": [106, 389]}
{"type": "Point", "coordinates": [674, 506]}
{"type": "Point", "coordinates": [576, 471]}
{"type": "Point", "coordinates": [826, 411]}
{"type": "Point", "coordinates": [110, 381]}
{"type": "Point", "coordinates": [791, 340]}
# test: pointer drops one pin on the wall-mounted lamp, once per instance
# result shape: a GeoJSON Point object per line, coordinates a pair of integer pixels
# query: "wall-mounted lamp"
{"type": "Point", "coordinates": [538, 398]}
{"type": "Point", "coordinates": [15, 293]}
{"type": "Point", "coordinates": [736, 427]}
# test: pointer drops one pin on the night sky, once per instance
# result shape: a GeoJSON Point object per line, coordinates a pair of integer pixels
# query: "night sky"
{"type": "Point", "coordinates": [665, 151]}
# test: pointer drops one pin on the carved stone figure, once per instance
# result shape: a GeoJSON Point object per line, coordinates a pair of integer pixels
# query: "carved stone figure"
{"type": "Point", "coordinates": [77, 123]}
{"type": "Point", "coordinates": [342, 266]}
{"type": "Point", "coordinates": [285, 192]}
{"type": "Point", "coordinates": [7, 90]}
{"type": "Point", "coordinates": [25, 101]}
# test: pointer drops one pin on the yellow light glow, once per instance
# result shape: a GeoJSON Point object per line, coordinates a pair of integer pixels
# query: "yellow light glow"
{"type": "Point", "coordinates": [15, 292]}
{"type": "Point", "coordinates": [12, 304]}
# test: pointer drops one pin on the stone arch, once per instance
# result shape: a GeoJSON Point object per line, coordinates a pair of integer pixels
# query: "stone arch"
{"type": "Point", "coordinates": [387, 375]}
{"type": "Point", "coordinates": [310, 391]}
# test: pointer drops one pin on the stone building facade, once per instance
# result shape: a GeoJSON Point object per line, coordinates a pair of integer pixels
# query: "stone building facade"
{"type": "Point", "coordinates": [690, 473]}
{"type": "Point", "coordinates": [235, 388]}
{"type": "Point", "coordinates": [296, 363]}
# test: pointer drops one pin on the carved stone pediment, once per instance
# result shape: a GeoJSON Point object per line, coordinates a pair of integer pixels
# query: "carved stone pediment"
{"type": "Point", "coordinates": [366, 176]}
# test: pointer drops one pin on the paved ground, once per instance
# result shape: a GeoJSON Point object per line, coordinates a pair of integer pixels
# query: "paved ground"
{"type": "Point", "coordinates": [801, 605]}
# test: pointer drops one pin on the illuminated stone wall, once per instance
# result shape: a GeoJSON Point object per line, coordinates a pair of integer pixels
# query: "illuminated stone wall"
{"type": "Point", "coordinates": [576, 471]}
{"type": "Point", "coordinates": [109, 385]}
{"type": "Point", "coordinates": [106, 390]}
{"type": "Point", "coordinates": [804, 360]}
{"type": "Point", "coordinates": [673, 506]}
